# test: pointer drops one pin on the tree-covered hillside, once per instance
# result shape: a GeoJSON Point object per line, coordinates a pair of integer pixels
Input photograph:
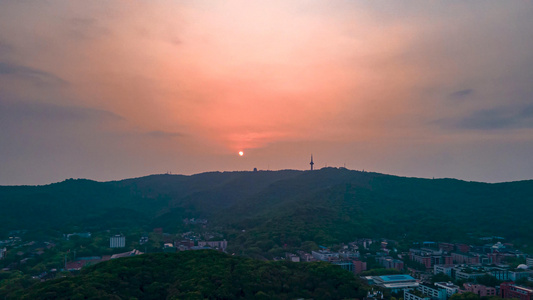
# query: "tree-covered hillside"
{"type": "Point", "coordinates": [269, 210]}
{"type": "Point", "coordinates": [202, 274]}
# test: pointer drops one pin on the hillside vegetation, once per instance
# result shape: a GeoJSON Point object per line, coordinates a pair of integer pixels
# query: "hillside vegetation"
{"type": "Point", "coordinates": [268, 211]}
{"type": "Point", "coordinates": [205, 274]}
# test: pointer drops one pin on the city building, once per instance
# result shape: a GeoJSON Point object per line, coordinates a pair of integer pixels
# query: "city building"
{"type": "Point", "coordinates": [3, 252]}
{"type": "Point", "coordinates": [479, 289]}
{"type": "Point", "coordinates": [220, 245]}
{"type": "Point", "coordinates": [462, 248]}
{"type": "Point", "coordinates": [446, 247]}
{"type": "Point", "coordinates": [414, 295]}
{"type": "Point", "coordinates": [325, 255]}
{"type": "Point", "coordinates": [430, 257]}
{"type": "Point", "coordinates": [390, 263]}
{"type": "Point", "coordinates": [445, 269]}
{"type": "Point", "coordinates": [432, 291]}
{"type": "Point", "coordinates": [117, 241]}
{"type": "Point", "coordinates": [511, 290]}
{"type": "Point", "coordinates": [292, 257]}
{"type": "Point", "coordinates": [467, 274]}
{"type": "Point", "coordinates": [359, 266]}
{"type": "Point", "coordinates": [306, 257]}
{"type": "Point", "coordinates": [500, 273]}
{"type": "Point", "coordinates": [464, 258]}
{"type": "Point", "coordinates": [519, 274]}
{"type": "Point", "coordinates": [395, 283]}
{"type": "Point", "coordinates": [529, 262]}
{"type": "Point", "coordinates": [449, 287]}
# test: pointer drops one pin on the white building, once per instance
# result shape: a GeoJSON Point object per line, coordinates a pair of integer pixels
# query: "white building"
{"type": "Point", "coordinates": [449, 287]}
{"type": "Point", "coordinates": [324, 255]}
{"type": "Point", "coordinates": [445, 269]}
{"type": "Point", "coordinates": [412, 295]}
{"type": "Point", "coordinates": [433, 292]}
{"type": "Point", "coordinates": [117, 241]}
{"type": "Point", "coordinates": [221, 245]}
{"type": "Point", "coordinates": [529, 262]}
{"type": "Point", "coordinates": [395, 283]}
{"type": "Point", "coordinates": [3, 253]}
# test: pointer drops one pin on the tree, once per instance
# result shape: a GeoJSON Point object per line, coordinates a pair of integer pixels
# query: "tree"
{"type": "Point", "coordinates": [440, 277]}
{"type": "Point", "coordinates": [488, 280]}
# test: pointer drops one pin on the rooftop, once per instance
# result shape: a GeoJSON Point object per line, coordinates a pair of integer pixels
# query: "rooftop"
{"type": "Point", "coordinates": [391, 278]}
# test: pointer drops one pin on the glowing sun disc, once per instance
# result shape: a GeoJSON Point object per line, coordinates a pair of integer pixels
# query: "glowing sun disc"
{"type": "Point", "coordinates": [241, 153]}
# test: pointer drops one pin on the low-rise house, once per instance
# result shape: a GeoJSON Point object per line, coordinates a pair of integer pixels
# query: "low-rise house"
{"type": "Point", "coordinates": [479, 289]}
{"type": "Point", "coordinates": [449, 287]}
{"type": "Point", "coordinates": [325, 255]}
{"type": "Point", "coordinates": [511, 290]}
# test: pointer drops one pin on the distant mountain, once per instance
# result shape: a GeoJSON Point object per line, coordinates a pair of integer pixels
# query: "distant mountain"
{"type": "Point", "coordinates": [279, 209]}
{"type": "Point", "coordinates": [205, 274]}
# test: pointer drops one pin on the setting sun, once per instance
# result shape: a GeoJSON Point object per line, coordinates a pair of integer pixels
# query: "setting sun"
{"type": "Point", "coordinates": [241, 153]}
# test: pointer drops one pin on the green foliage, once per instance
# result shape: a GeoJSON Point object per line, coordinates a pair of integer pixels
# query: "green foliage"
{"type": "Point", "coordinates": [488, 280]}
{"type": "Point", "coordinates": [279, 210]}
{"type": "Point", "coordinates": [199, 275]}
{"type": "Point", "coordinates": [465, 296]}
{"type": "Point", "coordinates": [440, 277]}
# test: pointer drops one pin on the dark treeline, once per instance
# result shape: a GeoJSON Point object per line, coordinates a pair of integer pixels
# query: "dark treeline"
{"type": "Point", "coordinates": [204, 274]}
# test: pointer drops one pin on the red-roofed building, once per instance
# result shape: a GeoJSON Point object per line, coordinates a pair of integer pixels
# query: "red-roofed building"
{"type": "Point", "coordinates": [511, 290]}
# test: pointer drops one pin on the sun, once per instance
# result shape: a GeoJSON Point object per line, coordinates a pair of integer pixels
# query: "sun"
{"type": "Point", "coordinates": [241, 153]}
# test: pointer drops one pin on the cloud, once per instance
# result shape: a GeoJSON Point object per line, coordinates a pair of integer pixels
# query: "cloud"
{"type": "Point", "coordinates": [34, 75]}
{"type": "Point", "coordinates": [461, 94]}
{"type": "Point", "coordinates": [5, 48]}
{"type": "Point", "coordinates": [46, 112]}
{"type": "Point", "coordinates": [499, 118]}
{"type": "Point", "coordinates": [87, 29]}
{"type": "Point", "coordinates": [164, 134]}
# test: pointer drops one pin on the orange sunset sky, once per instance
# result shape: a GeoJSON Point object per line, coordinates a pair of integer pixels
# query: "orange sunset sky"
{"type": "Point", "coordinates": [108, 90]}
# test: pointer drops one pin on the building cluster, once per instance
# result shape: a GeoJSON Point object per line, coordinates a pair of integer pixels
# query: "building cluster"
{"type": "Point", "coordinates": [462, 254]}
{"type": "Point", "coordinates": [81, 262]}
{"type": "Point", "coordinates": [348, 258]}
{"type": "Point", "coordinates": [194, 221]}
{"type": "Point", "coordinates": [22, 252]}
{"type": "Point", "coordinates": [187, 244]}
{"type": "Point", "coordinates": [460, 262]}
{"type": "Point", "coordinates": [414, 289]}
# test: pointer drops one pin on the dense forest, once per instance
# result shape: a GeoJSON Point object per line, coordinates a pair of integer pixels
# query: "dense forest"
{"type": "Point", "coordinates": [267, 211]}
{"type": "Point", "coordinates": [204, 274]}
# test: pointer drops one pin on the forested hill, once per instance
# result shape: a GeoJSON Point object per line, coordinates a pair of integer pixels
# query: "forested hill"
{"type": "Point", "coordinates": [205, 274]}
{"type": "Point", "coordinates": [281, 208]}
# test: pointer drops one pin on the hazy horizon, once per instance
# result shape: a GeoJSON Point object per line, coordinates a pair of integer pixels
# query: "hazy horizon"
{"type": "Point", "coordinates": [114, 90]}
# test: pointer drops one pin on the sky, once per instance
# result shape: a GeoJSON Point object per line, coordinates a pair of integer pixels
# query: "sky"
{"type": "Point", "coordinates": [108, 90]}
